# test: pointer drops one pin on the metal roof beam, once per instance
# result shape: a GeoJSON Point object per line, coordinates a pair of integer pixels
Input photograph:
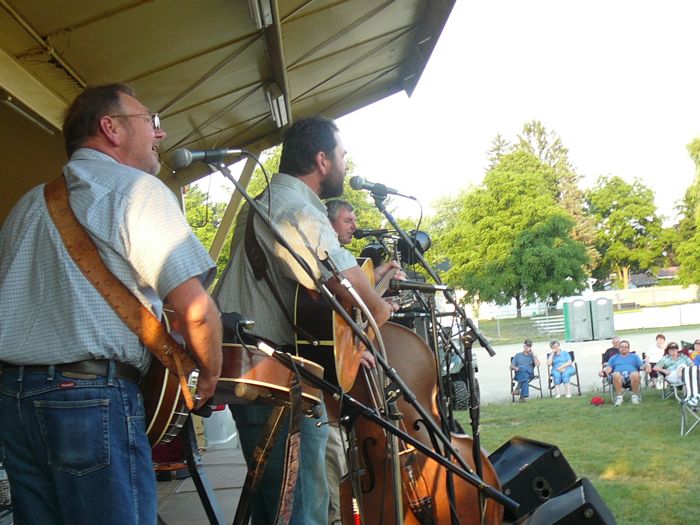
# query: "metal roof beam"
{"type": "Point", "coordinates": [275, 48]}
{"type": "Point", "coordinates": [23, 86]}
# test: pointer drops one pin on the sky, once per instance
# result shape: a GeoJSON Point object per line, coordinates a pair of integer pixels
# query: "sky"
{"type": "Point", "coordinates": [617, 80]}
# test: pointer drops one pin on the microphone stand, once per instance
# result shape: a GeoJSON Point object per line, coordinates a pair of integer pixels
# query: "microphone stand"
{"type": "Point", "coordinates": [464, 471]}
{"type": "Point", "coordinates": [355, 408]}
{"type": "Point", "coordinates": [474, 333]}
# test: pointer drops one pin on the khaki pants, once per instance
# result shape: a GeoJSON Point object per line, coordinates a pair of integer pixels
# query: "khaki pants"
{"type": "Point", "coordinates": [336, 468]}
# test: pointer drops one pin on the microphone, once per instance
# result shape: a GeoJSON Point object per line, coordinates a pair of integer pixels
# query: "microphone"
{"type": "Point", "coordinates": [360, 183]}
{"type": "Point", "coordinates": [361, 234]}
{"type": "Point", "coordinates": [183, 157]}
{"type": "Point", "coordinates": [396, 284]}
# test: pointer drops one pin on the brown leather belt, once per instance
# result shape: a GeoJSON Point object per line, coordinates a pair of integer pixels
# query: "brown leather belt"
{"type": "Point", "coordinates": [97, 367]}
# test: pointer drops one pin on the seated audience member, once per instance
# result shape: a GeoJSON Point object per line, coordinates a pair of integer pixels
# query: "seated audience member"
{"type": "Point", "coordinates": [672, 363]}
{"type": "Point", "coordinates": [523, 364]}
{"type": "Point", "coordinates": [613, 350]}
{"type": "Point", "coordinates": [562, 369]}
{"type": "Point", "coordinates": [624, 368]}
{"type": "Point", "coordinates": [695, 353]}
{"type": "Point", "coordinates": [655, 352]}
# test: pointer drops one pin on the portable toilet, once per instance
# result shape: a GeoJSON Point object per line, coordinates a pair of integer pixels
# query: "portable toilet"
{"type": "Point", "coordinates": [577, 320]}
{"type": "Point", "coordinates": [602, 318]}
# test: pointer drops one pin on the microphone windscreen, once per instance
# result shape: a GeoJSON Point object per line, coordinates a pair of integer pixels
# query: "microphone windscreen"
{"type": "Point", "coordinates": [357, 182]}
{"type": "Point", "coordinates": [180, 158]}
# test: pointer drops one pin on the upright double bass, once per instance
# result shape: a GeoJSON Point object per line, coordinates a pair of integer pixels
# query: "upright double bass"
{"type": "Point", "coordinates": [425, 494]}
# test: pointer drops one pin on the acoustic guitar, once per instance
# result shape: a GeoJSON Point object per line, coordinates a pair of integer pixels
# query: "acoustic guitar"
{"type": "Point", "coordinates": [334, 345]}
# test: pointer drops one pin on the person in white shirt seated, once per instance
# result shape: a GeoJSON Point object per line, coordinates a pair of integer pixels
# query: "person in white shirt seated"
{"type": "Point", "coordinates": [653, 354]}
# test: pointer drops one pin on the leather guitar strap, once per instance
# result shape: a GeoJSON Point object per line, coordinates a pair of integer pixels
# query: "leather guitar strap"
{"type": "Point", "coordinates": [292, 454]}
{"type": "Point", "coordinates": [137, 317]}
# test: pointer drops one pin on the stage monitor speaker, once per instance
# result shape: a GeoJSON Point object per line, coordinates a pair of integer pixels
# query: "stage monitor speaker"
{"type": "Point", "coordinates": [579, 505]}
{"type": "Point", "coordinates": [531, 472]}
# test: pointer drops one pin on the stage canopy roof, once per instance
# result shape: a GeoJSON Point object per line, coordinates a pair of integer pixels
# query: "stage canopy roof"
{"type": "Point", "coordinates": [222, 73]}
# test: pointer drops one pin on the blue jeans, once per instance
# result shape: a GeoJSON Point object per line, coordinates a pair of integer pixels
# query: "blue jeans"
{"type": "Point", "coordinates": [311, 493]}
{"type": "Point", "coordinates": [522, 377]}
{"type": "Point", "coordinates": [75, 450]}
{"type": "Point", "coordinates": [563, 377]}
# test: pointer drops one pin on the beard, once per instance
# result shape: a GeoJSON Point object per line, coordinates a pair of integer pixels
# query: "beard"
{"type": "Point", "coordinates": [332, 186]}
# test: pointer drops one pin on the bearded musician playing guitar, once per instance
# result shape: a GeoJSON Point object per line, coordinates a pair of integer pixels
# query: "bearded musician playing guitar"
{"type": "Point", "coordinates": [260, 283]}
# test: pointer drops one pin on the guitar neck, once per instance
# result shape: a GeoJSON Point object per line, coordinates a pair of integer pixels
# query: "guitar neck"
{"type": "Point", "coordinates": [383, 284]}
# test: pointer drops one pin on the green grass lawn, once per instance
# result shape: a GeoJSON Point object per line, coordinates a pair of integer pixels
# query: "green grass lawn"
{"type": "Point", "coordinates": [634, 455]}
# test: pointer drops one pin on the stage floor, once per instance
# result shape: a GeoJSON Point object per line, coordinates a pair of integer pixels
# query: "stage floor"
{"type": "Point", "coordinates": [179, 503]}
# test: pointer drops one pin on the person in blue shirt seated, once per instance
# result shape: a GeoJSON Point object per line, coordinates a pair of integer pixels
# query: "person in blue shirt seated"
{"type": "Point", "coordinates": [523, 364]}
{"type": "Point", "coordinates": [624, 368]}
{"type": "Point", "coordinates": [562, 368]}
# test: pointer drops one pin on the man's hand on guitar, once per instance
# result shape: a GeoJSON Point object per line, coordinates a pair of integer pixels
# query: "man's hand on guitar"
{"type": "Point", "coordinates": [382, 270]}
{"type": "Point", "coordinates": [206, 385]}
{"type": "Point", "coordinates": [367, 360]}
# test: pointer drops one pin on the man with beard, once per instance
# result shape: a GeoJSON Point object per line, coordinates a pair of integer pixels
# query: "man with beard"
{"type": "Point", "coordinates": [312, 167]}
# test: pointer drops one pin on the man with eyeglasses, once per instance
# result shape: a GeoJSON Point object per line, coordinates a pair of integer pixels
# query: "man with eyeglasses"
{"type": "Point", "coordinates": [71, 411]}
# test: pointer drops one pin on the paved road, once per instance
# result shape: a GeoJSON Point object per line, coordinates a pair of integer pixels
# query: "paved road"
{"type": "Point", "coordinates": [493, 371]}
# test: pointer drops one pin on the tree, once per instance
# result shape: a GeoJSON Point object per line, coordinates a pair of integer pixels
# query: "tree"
{"type": "Point", "coordinates": [499, 147]}
{"type": "Point", "coordinates": [688, 228]}
{"type": "Point", "coordinates": [204, 218]}
{"type": "Point", "coordinates": [548, 147]}
{"type": "Point", "coordinates": [629, 229]}
{"type": "Point", "coordinates": [508, 239]}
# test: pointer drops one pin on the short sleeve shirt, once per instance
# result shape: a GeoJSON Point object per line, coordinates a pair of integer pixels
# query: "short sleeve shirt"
{"type": "Point", "coordinates": [49, 312]}
{"type": "Point", "coordinates": [671, 364]}
{"type": "Point", "coordinates": [625, 363]}
{"type": "Point", "coordinates": [301, 218]}
{"type": "Point", "coordinates": [526, 361]}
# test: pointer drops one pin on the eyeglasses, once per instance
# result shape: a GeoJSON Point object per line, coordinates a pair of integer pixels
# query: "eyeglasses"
{"type": "Point", "coordinates": [155, 118]}
{"type": "Point", "coordinates": [672, 347]}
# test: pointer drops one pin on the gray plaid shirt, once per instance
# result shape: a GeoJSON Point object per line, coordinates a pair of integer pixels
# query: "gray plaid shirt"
{"type": "Point", "coordinates": [49, 312]}
{"type": "Point", "coordinates": [302, 219]}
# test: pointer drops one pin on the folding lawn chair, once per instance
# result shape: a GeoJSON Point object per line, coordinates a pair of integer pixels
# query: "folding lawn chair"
{"type": "Point", "coordinates": [574, 380]}
{"type": "Point", "coordinates": [689, 399]}
{"type": "Point", "coordinates": [535, 382]}
{"type": "Point", "coordinates": [627, 384]}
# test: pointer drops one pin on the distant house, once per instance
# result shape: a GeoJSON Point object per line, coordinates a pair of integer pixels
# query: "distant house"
{"type": "Point", "coordinates": [667, 274]}
{"type": "Point", "coordinates": [643, 280]}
